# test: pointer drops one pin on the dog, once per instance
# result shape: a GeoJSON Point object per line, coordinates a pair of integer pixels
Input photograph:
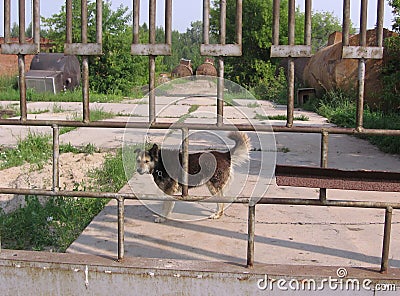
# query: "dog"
{"type": "Point", "coordinates": [216, 174]}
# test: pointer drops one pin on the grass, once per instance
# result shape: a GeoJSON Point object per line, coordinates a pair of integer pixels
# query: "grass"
{"type": "Point", "coordinates": [341, 110]}
{"type": "Point", "coordinates": [54, 223]}
{"type": "Point", "coordinates": [258, 116]}
{"type": "Point", "coordinates": [9, 92]}
{"type": "Point", "coordinates": [34, 149]}
{"type": "Point", "coordinates": [95, 115]}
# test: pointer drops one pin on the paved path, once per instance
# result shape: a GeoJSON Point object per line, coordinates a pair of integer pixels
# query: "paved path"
{"type": "Point", "coordinates": [284, 234]}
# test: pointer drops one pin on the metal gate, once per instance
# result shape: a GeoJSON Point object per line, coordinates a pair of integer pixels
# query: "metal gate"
{"type": "Point", "coordinates": [319, 176]}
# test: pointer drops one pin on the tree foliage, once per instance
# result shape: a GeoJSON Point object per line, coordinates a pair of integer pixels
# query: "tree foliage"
{"type": "Point", "coordinates": [254, 68]}
{"type": "Point", "coordinates": [116, 71]}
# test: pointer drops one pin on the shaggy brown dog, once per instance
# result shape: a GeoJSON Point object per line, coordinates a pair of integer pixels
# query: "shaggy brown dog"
{"type": "Point", "coordinates": [211, 168]}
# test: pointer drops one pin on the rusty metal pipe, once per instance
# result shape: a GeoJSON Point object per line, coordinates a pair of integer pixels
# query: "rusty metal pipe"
{"type": "Point", "coordinates": [360, 99]}
{"type": "Point", "coordinates": [386, 240]}
{"type": "Point", "coordinates": [185, 162]}
{"type": "Point", "coordinates": [136, 17]}
{"type": "Point", "coordinates": [152, 85]}
{"type": "Point", "coordinates": [168, 22]}
{"type": "Point", "coordinates": [239, 21]}
{"type": "Point", "coordinates": [36, 23]}
{"type": "Point", "coordinates": [85, 89]}
{"type": "Point", "coordinates": [220, 92]}
{"type": "Point", "coordinates": [307, 23]}
{"type": "Point", "coordinates": [206, 21]}
{"type": "Point", "coordinates": [7, 21]}
{"type": "Point", "coordinates": [84, 21]}
{"type": "Point", "coordinates": [290, 104]}
{"type": "Point", "coordinates": [69, 21]}
{"type": "Point", "coordinates": [251, 226]}
{"type": "Point", "coordinates": [222, 22]}
{"type": "Point", "coordinates": [363, 22]}
{"type": "Point", "coordinates": [324, 161]}
{"type": "Point", "coordinates": [292, 21]}
{"type": "Point", "coordinates": [275, 21]}
{"type": "Point", "coordinates": [56, 158]}
{"type": "Point", "coordinates": [121, 226]}
{"type": "Point", "coordinates": [22, 87]}
{"type": "Point", "coordinates": [200, 126]}
{"type": "Point", "coordinates": [99, 21]}
{"type": "Point", "coordinates": [379, 23]}
{"type": "Point", "coordinates": [152, 21]}
{"type": "Point", "coordinates": [346, 23]}
{"type": "Point", "coordinates": [21, 12]}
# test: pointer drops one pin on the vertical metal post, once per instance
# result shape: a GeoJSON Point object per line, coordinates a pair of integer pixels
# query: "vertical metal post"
{"type": "Point", "coordinates": [251, 225]}
{"type": "Point", "coordinates": [21, 8]}
{"type": "Point", "coordinates": [275, 20]}
{"type": "Point", "coordinates": [185, 162]}
{"type": "Point", "coordinates": [152, 62]}
{"type": "Point", "coordinates": [121, 225]}
{"type": "Point", "coordinates": [7, 21]}
{"type": "Point", "coordinates": [221, 82]}
{"type": "Point", "coordinates": [324, 161]}
{"type": "Point", "coordinates": [386, 240]}
{"type": "Point", "coordinates": [346, 23]}
{"type": "Point", "coordinates": [239, 21]}
{"type": "Point", "coordinates": [36, 23]}
{"type": "Point", "coordinates": [136, 26]}
{"type": "Point", "coordinates": [307, 22]}
{"type": "Point", "coordinates": [85, 62]}
{"type": "Point", "coordinates": [291, 30]}
{"type": "Point", "coordinates": [168, 22]}
{"type": "Point", "coordinates": [69, 21]}
{"type": "Point", "coordinates": [56, 157]}
{"type": "Point", "coordinates": [206, 21]}
{"type": "Point", "coordinates": [99, 21]}
{"type": "Point", "coordinates": [379, 23]}
{"type": "Point", "coordinates": [361, 65]}
{"type": "Point", "coordinates": [22, 87]}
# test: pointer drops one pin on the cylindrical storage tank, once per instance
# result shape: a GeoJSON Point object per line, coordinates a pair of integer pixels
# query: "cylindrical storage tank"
{"type": "Point", "coordinates": [326, 70]}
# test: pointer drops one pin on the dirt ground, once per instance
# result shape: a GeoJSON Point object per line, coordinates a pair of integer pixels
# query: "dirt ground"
{"type": "Point", "coordinates": [74, 170]}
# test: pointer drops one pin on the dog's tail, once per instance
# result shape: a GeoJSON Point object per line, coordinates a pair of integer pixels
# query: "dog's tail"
{"type": "Point", "coordinates": [240, 152]}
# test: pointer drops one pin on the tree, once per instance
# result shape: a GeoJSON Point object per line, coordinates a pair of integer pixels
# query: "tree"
{"type": "Point", "coordinates": [391, 71]}
{"type": "Point", "coordinates": [116, 70]}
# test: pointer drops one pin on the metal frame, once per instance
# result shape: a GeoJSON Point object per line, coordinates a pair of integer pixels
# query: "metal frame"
{"type": "Point", "coordinates": [220, 50]}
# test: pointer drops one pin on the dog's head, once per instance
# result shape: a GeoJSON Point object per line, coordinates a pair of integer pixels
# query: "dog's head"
{"type": "Point", "coordinates": [146, 160]}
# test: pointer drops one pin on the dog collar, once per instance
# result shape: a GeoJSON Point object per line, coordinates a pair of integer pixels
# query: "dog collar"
{"type": "Point", "coordinates": [159, 173]}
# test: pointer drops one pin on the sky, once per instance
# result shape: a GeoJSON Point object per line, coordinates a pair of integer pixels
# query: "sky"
{"type": "Point", "coordinates": [187, 11]}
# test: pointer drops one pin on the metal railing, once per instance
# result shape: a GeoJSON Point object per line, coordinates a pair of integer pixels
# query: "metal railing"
{"type": "Point", "coordinates": [152, 49]}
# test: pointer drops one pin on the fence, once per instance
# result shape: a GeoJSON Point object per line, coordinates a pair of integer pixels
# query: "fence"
{"type": "Point", "coordinates": [220, 50]}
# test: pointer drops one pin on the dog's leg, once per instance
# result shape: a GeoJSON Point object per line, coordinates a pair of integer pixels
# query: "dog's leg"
{"type": "Point", "coordinates": [220, 211]}
{"type": "Point", "coordinates": [166, 210]}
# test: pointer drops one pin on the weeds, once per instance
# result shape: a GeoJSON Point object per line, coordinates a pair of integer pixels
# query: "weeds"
{"type": "Point", "coordinates": [258, 116]}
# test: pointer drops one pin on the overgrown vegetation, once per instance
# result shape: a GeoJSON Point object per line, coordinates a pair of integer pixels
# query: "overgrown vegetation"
{"type": "Point", "coordinates": [340, 109]}
{"type": "Point", "coordinates": [54, 223]}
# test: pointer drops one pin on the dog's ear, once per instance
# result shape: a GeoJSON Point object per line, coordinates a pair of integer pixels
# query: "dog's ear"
{"type": "Point", "coordinates": [137, 150]}
{"type": "Point", "coordinates": [154, 151]}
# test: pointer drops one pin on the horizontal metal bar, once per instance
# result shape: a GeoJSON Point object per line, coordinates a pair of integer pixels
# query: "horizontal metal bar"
{"type": "Point", "coordinates": [199, 126]}
{"type": "Point", "coordinates": [205, 199]}
{"type": "Point", "coordinates": [294, 51]}
{"type": "Point", "coordinates": [221, 50]}
{"type": "Point", "coordinates": [362, 52]}
{"type": "Point", "coordinates": [20, 48]}
{"type": "Point", "coordinates": [151, 49]}
{"type": "Point", "coordinates": [87, 49]}
{"type": "Point", "coordinates": [316, 177]}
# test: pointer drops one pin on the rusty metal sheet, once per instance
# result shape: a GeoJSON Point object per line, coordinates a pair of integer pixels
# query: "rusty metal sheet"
{"type": "Point", "coordinates": [151, 49]}
{"type": "Point", "coordinates": [365, 52]}
{"type": "Point", "coordinates": [294, 51]}
{"type": "Point", "coordinates": [315, 177]}
{"type": "Point", "coordinates": [221, 50]}
{"type": "Point", "coordinates": [18, 48]}
{"type": "Point", "coordinates": [85, 49]}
